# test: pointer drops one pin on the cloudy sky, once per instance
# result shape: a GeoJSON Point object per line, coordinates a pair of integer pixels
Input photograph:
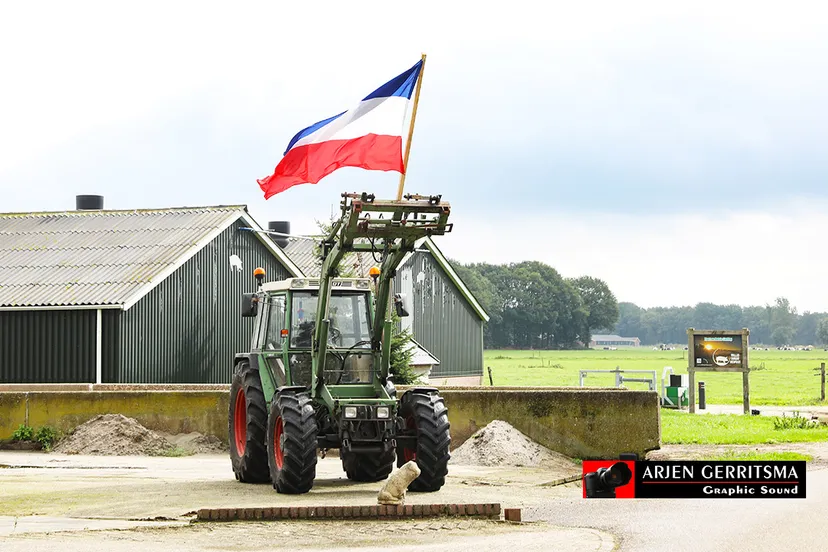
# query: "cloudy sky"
{"type": "Point", "coordinates": [677, 150]}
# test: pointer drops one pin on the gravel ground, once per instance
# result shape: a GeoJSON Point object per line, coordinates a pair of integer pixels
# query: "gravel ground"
{"type": "Point", "coordinates": [558, 518]}
{"type": "Point", "coordinates": [172, 489]}
{"type": "Point", "coordinates": [439, 536]}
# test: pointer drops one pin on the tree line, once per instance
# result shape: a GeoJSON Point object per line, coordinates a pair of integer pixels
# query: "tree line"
{"type": "Point", "coordinates": [532, 306]}
{"type": "Point", "coordinates": [776, 324]}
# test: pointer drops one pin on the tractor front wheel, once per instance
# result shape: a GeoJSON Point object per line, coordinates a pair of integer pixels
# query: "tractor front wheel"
{"type": "Point", "coordinates": [425, 415]}
{"type": "Point", "coordinates": [247, 425]}
{"type": "Point", "coordinates": [368, 467]}
{"type": "Point", "coordinates": [291, 443]}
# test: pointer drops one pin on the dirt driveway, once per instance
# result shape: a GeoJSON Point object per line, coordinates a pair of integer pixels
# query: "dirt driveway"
{"type": "Point", "coordinates": [48, 500]}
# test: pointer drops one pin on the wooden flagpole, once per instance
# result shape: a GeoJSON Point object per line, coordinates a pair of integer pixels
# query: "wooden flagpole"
{"type": "Point", "coordinates": [411, 129]}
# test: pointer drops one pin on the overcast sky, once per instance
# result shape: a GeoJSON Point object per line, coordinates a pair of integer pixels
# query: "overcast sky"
{"type": "Point", "coordinates": [678, 150]}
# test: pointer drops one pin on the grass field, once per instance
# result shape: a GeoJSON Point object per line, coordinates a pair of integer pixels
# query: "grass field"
{"type": "Point", "coordinates": [682, 428]}
{"type": "Point", "coordinates": [759, 456]}
{"type": "Point", "coordinates": [783, 378]}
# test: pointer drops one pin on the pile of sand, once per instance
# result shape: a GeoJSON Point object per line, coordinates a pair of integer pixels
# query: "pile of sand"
{"type": "Point", "coordinates": [500, 444]}
{"type": "Point", "coordinates": [113, 435]}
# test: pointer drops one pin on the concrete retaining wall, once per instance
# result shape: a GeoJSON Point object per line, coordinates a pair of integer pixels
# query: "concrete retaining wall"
{"type": "Point", "coordinates": [577, 422]}
{"type": "Point", "coordinates": [169, 411]}
{"type": "Point", "coordinates": [581, 423]}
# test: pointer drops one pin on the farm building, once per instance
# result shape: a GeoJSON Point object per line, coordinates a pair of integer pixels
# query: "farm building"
{"type": "Point", "coordinates": [128, 296]}
{"type": "Point", "coordinates": [614, 341]}
{"type": "Point", "coordinates": [446, 320]}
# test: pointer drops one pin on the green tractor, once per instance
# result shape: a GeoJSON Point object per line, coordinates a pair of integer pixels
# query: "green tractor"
{"type": "Point", "coordinates": [317, 374]}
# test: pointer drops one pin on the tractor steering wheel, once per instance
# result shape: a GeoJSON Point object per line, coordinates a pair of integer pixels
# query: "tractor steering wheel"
{"type": "Point", "coordinates": [334, 335]}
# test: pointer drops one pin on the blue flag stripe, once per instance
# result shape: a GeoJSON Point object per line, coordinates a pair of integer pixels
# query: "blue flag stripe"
{"type": "Point", "coordinates": [402, 85]}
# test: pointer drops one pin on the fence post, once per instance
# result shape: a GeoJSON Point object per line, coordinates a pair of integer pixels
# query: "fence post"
{"type": "Point", "coordinates": [821, 375]}
{"type": "Point", "coordinates": [491, 383]}
{"type": "Point", "coordinates": [691, 372]}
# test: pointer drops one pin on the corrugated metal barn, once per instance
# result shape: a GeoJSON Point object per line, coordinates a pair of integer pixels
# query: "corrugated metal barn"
{"type": "Point", "coordinates": [137, 296]}
{"type": "Point", "coordinates": [446, 320]}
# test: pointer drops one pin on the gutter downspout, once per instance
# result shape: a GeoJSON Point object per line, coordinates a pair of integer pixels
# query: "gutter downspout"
{"type": "Point", "coordinates": [98, 343]}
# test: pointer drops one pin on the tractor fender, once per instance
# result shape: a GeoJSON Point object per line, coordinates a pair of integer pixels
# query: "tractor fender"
{"type": "Point", "coordinates": [422, 390]}
{"type": "Point", "coordinates": [241, 357]}
{"type": "Point", "coordinates": [291, 389]}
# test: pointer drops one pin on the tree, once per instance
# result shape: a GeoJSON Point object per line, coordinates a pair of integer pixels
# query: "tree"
{"type": "Point", "coordinates": [629, 320]}
{"type": "Point", "coordinates": [782, 335]}
{"type": "Point", "coordinates": [822, 331]}
{"type": "Point", "coordinates": [531, 305]}
{"type": "Point", "coordinates": [757, 319]}
{"type": "Point", "coordinates": [401, 353]}
{"type": "Point", "coordinates": [599, 302]}
{"type": "Point", "coordinates": [806, 328]}
{"type": "Point", "coordinates": [782, 314]}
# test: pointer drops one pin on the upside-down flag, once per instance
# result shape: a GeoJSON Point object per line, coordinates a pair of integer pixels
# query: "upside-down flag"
{"type": "Point", "coordinates": [368, 136]}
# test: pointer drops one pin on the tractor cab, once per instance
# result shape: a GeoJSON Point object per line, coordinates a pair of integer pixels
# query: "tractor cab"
{"type": "Point", "coordinates": [286, 313]}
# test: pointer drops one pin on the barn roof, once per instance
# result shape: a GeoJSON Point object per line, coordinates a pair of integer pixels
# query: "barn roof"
{"type": "Point", "coordinates": [105, 258]}
{"type": "Point", "coordinates": [420, 355]}
{"type": "Point", "coordinates": [302, 251]}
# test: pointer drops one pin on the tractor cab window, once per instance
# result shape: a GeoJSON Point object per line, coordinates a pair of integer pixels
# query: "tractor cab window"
{"type": "Point", "coordinates": [276, 323]}
{"type": "Point", "coordinates": [348, 314]}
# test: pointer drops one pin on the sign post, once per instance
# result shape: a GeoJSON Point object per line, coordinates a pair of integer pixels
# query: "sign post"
{"type": "Point", "coordinates": [718, 351]}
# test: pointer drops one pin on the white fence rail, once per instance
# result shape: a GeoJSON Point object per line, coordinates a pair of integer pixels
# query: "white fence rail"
{"type": "Point", "coordinates": [620, 379]}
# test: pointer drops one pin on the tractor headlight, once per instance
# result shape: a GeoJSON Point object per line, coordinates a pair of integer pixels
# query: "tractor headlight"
{"type": "Point", "coordinates": [350, 412]}
{"type": "Point", "coordinates": [383, 412]}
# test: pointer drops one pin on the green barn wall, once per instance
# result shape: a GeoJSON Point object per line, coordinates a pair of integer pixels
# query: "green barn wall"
{"type": "Point", "coordinates": [54, 346]}
{"type": "Point", "coordinates": [442, 320]}
{"type": "Point", "coordinates": [188, 328]}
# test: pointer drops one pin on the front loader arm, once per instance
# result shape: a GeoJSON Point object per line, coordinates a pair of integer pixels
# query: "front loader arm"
{"type": "Point", "coordinates": [394, 232]}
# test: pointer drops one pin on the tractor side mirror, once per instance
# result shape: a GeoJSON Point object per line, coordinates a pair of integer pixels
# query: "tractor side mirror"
{"type": "Point", "coordinates": [401, 304]}
{"type": "Point", "coordinates": [249, 305]}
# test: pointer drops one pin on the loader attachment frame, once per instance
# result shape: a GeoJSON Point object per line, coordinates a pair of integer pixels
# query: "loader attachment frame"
{"type": "Point", "coordinates": [387, 228]}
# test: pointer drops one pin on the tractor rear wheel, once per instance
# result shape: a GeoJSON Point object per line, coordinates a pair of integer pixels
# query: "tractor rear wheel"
{"type": "Point", "coordinates": [425, 415]}
{"type": "Point", "coordinates": [248, 423]}
{"type": "Point", "coordinates": [291, 442]}
{"type": "Point", "coordinates": [368, 467]}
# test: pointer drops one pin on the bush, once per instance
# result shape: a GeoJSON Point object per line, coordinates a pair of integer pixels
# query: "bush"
{"type": "Point", "coordinates": [23, 433]}
{"type": "Point", "coordinates": [46, 436]}
{"type": "Point", "coordinates": [794, 422]}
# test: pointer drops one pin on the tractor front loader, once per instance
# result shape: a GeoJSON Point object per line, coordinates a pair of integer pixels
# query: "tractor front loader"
{"type": "Point", "coordinates": [317, 374]}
